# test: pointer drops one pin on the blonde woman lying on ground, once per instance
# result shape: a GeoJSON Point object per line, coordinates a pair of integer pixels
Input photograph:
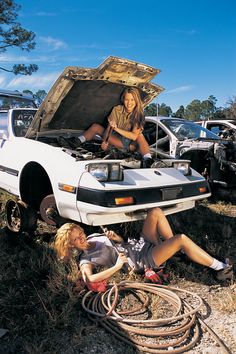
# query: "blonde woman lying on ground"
{"type": "Point", "coordinates": [156, 245]}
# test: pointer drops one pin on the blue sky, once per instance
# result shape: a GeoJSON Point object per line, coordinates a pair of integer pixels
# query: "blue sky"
{"type": "Point", "coordinates": [192, 42]}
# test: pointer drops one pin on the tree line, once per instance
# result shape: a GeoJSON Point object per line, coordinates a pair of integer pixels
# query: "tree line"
{"type": "Point", "coordinates": [196, 110]}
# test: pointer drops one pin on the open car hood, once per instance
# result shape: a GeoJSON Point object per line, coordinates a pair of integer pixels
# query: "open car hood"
{"type": "Point", "coordinates": [82, 96]}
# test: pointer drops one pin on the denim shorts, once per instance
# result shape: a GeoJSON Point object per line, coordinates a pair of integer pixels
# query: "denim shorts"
{"type": "Point", "coordinates": [126, 142]}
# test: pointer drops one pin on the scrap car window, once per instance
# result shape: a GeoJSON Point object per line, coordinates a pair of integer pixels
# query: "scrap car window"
{"type": "Point", "coordinates": [216, 128]}
{"type": "Point", "coordinates": [187, 130]}
{"type": "Point", "coordinates": [156, 136]}
{"type": "Point", "coordinates": [21, 121]}
{"type": "Point", "coordinates": [3, 120]}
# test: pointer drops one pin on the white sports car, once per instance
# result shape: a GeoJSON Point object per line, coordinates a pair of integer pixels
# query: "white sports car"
{"type": "Point", "coordinates": [54, 179]}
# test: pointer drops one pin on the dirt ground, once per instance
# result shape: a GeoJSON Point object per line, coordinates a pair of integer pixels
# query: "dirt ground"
{"type": "Point", "coordinates": [211, 225]}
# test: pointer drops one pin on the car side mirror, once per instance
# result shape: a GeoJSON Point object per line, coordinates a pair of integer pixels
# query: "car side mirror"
{"type": "Point", "coordinates": [4, 135]}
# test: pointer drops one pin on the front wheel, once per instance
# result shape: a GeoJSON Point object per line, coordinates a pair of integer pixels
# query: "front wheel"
{"type": "Point", "coordinates": [48, 211]}
{"type": "Point", "coordinates": [20, 216]}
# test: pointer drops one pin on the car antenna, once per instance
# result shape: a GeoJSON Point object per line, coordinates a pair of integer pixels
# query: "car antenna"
{"type": "Point", "coordinates": [156, 125]}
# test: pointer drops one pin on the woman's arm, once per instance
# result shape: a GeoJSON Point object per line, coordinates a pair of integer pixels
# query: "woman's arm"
{"type": "Point", "coordinates": [107, 133]}
{"type": "Point", "coordinates": [87, 270]}
{"type": "Point", "coordinates": [133, 135]}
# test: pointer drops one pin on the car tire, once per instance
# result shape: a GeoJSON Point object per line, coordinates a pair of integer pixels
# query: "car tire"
{"type": "Point", "coordinates": [20, 216]}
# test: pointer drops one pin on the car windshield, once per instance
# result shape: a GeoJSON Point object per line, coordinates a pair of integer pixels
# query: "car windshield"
{"type": "Point", "coordinates": [188, 130]}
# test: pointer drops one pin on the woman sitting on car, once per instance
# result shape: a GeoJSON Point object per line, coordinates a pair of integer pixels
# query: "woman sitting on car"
{"type": "Point", "coordinates": [147, 254]}
{"type": "Point", "coordinates": [125, 126]}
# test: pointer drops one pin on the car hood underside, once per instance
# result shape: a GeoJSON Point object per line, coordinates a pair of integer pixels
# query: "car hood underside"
{"type": "Point", "coordinates": [83, 96]}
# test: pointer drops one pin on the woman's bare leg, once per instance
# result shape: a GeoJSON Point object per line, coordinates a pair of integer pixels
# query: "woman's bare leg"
{"type": "Point", "coordinates": [155, 226]}
{"type": "Point", "coordinates": [168, 248]}
{"type": "Point", "coordinates": [142, 145]}
{"type": "Point", "coordinates": [95, 129]}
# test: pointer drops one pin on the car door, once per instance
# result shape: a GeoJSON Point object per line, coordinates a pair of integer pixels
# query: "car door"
{"type": "Point", "coordinates": [5, 171]}
{"type": "Point", "coordinates": [13, 125]}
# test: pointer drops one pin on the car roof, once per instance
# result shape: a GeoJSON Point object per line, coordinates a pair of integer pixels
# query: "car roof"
{"type": "Point", "coordinates": [9, 93]}
{"type": "Point", "coordinates": [217, 121]}
{"type": "Point", "coordinates": [159, 118]}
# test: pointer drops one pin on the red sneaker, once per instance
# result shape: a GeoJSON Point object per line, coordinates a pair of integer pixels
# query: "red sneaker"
{"type": "Point", "coordinates": [152, 277]}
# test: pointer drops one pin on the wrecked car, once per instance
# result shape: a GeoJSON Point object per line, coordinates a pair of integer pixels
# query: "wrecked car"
{"type": "Point", "coordinates": [211, 156]}
{"type": "Point", "coordinates": [224, 128]}
{"type": "Point", "coordinates": [15, 99]}
{"type": "Point", "coordinates": [55, 179]}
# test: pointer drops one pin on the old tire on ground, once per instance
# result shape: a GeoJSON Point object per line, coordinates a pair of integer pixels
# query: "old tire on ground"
{"type": "Point", "coordinates": [20, 216]}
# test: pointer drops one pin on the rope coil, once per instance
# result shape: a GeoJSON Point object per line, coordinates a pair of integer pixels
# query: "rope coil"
{"type": "Point", "coordinates": [137, 326]}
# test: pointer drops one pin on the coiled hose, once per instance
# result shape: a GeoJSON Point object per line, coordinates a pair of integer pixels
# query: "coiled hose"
{"type": "Point", "coordinates": [137, 322]}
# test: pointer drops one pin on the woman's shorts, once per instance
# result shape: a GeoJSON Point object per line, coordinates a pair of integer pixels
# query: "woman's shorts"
{"type": "Point", "coordinates": [126, 142]}
{"type": "Point", "coordinates": [140, 253]}
{"type": "Point", "coordinates": [146, 255]}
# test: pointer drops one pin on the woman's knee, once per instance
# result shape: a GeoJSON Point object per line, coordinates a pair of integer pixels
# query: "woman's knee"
{"type": "Point", "coordinates": [156, 212]}
{"type": "Point", "coordinates": [182, 238]}
{"type": "Point", "coordinates": [96, 127]}
{"type": "Point", "coordinates": [133, 147]}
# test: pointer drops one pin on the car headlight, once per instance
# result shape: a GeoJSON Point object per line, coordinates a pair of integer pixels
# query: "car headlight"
{"type": "Point", "coordinates": [183, 167]}
{"type": "Point", "coordinates": [105, 172]}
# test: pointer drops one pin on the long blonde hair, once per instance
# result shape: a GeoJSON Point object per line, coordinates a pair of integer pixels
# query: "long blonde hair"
{"type": "Point", "coordinates": [137, 116]}
{"type": "Point", "coordinates": [62, 242]}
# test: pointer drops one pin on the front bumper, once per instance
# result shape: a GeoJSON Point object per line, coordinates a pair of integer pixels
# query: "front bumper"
{"type": "Point", "coordinates": [98, 207]}
{"type": "Point", "coordinates": [107, 198]}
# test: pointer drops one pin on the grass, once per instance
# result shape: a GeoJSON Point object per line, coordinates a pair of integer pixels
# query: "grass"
{"type": "Point", "coordinates": [36, 301]}
{"type": "Point", "coordinates": [227, 303]}
{"type": "Point", "coordinates": [40, 307]}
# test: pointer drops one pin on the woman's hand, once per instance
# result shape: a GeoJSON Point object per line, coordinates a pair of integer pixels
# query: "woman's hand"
{"type": "Point", "coordinates": [122, 259]}
{"type": "Point", "coordinates": [113, 236]}
{"type": "Point", "coordinates": [113, 125]}
{"type": "Point", "coordinates": [109, 234]}
{"type": "Point", "coordinates": [104, 145]}
{"type": "Point", "coordinates": [84, 275]}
